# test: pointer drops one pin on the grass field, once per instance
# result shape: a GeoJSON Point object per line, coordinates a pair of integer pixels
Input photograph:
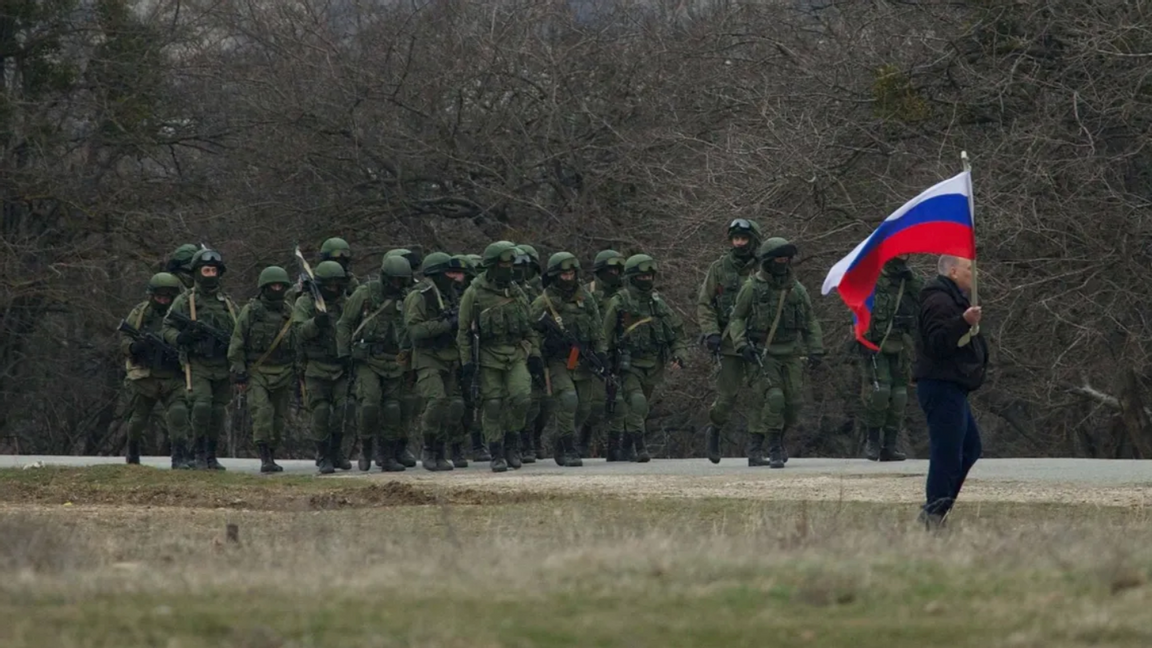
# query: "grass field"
{"type": "Point", "coordinates": [119, 556]}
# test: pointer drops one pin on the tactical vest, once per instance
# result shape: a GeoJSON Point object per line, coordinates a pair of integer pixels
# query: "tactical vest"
{"type": "Point", "coordinates": [728, 283]}
{"type": "Point", "coordinates": [766, 302]}
{"type": "Point", "coordinates": [437, 302]}
{"type": "Point", "coordinates": [576, 317]}
{"type": "Point", "coordinates": [216, 311]}
{"type": "Point", "coordinates": [644, 324]}
{"type": "Point", "coordinates": [322, 348]}
{"type": "Point", "coordinates": [503, 320]}
{"type": "Point", "coordinates": [146, 319]}
{"type": "Point", "coordinates": [384, 332]}
{"type": "Point", "coordinates": [264, 326]}
{"type": "Point", "coordinates": [885, 309]}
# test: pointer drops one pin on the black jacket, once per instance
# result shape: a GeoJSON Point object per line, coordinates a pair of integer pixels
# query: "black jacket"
{"type": "Point", "coordinates": [942, 324]}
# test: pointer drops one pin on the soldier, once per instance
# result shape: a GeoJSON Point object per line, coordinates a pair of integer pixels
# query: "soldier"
{"type": "Point", "coordinates": [572, 344]}
{"type": "Point", "coordinates": [262, 355]}
{"type": "Point", "coordinates": [884, 380]}
{"type": "Point", "coordinates": [772, 325]}
{"type": "Point", "coordinates": [200, 323]}
{"type": "Point", "coordinates": [327, 381]}
{"type": "Point", "coordinates": [480, 453]}
{"type": "Point", "coordinates": [154, 373]}
{"type": "Point", "coordinates": [713, 308]}
{"type": "Point", "coordinates": [431, 315]}
{"type": "Point", "coordinates": [499, 347]}
{"type": "Point", "coordinates": [645, 334]}
{"type": "Point", "coordinates": [369, 336]}
{"type": "Point", "coordinates": [180, 264]}
{"type": "Point", "coordinates": [609, 267]}
{"type": "Point", "coordinates": [337, 249]}
{"type": "Point", "coordinates": [410, 402]}
{"type": "Point", "coordinates": [528, 275]}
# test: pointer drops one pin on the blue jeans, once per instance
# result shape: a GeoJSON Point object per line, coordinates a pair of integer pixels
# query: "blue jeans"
{"type": "Point", "coordinates": [953, 439]}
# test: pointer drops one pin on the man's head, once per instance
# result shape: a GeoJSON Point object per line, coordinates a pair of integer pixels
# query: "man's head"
{"type": "Point", "coordinates": [163, 287]}
{"type": "Point", "coordinates": [207, 268]}
{"type": "Point", "coordinates": [608, 266]}
{"type": "Point", "coordinates": [180, 263]}
{"type": "Point", "coordinates": [338, 250]}
{"type": "Point", "coordinates": [273, 283]}
{"type": "Point", "coordinates": [563, 271]}
{"type": "Point", "coordinates": [776, 256]}
{"type": "Point", "coordinates": [745, 237]}
{"type": "Point", "coordinates": [498, 260]}
{"type": "Point", "coordinates": [897, 266]}
{"type": "Point", "coordinates": [442, 269]}
{"type": "Point", "coordinates": [640, 269]}
{"type": "Point", "coordinates": [958, 269]}
{"type": "Point", "coordinates": [331, 278]}
{"type": "Point", "coordinates": [395, 274]}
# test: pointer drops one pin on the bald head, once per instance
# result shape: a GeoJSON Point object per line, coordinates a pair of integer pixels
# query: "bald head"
{"type": "Point", "coordinates": [958, 269]}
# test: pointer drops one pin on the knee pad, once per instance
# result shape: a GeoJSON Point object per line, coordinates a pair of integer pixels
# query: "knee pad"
{"type": "Point", "coordinates": [370, 415]}
{"type": "Point", "coordinates": [776, 401]}
{"type": "Point", "coordinates": [455, 410]}
{"type": "Point", "coordinates": [392, 411]}
{"type": "Point", "coordinates": [637, 402]}
{"type": "Point", "coordinates": [202, 413]}
{"type": "Point", "coordinates": [879, 398]}
{"type": "Point", "coordinates": [491, 408]}
{"type": "Point", "coordinates": [566, 401]}
{"type": "Point", "coordinates": [899, 398]}
{"type": "Point", "coordinates": [520, 401]}
{"type": "Point", "coordinates": [321, 415]}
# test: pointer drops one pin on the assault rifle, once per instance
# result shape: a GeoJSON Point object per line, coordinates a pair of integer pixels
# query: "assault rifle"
{"type": "Point", "coordinates": [308, 280]}
{"type": "Point", "coordinates": [474, 358]}
{"type": "Point", "coordinates": [160, 352]}
{"type": "Point", "coordinates": [183, 322]}
{"type": "Point", "coordinates": [581, 353]}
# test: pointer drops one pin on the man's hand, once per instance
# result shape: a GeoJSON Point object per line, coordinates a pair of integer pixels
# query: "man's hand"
{"type": "Point", "coordinates": [186, 337]}
{"type": "Point", "coordinates": [240, 379]}
{"type": "Point", "coordinates": [138, 348]}
{"type": "Point", "coordinates": [972, 315]}
{"type": "Point", "coordinates": [678, 362]}
{"type": "Point", "coordinates": [322, 321]}
{"type": "Point", "coordinates": [713, 342]}
{"type": "Point", "coordinates": [536, 368]}
{"type": "Point", "coordinates": [815, 360]}
{"type": "Point", "coordinates": [749, 354]}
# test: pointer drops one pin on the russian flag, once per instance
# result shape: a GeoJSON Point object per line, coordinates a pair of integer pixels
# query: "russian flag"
{"type": "Point", "coordinates": [938, 221]}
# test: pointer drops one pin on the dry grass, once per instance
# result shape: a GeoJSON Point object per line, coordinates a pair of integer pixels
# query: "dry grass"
{"type": "Point", "coordinates": [566, 572]}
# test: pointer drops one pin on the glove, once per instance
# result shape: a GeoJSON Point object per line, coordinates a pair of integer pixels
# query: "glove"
{"type": "Point", "coordinates": [453, 319]}
{"type": "Point", "coordinates": [322, 321]}
{"type": "Point", "coordinates": [605, 361]}
{"type": "Point", "coordinates": [187, 337]}
{"type": "Point", "coordinates": [749, 354]}
{"type": "Point", "coordinates": [680, 361]}
{"type": "Point", "coordinates": [138, 348]}
{"type": "Point", "coordinates": [536, 367]}
{"type": "Point", "coordinates": [815, 360]}
{"type": "Point", "coordinates": [240, 378]}
{"type": "Point", "coordinates": [713, 342]}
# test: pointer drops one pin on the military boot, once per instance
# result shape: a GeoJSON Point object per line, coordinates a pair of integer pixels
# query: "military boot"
{"type": "Point", "coordinates": [428, 453]}
{"type": "Point", "coordinates": [538, 443]}
{"type": "Point", "coordinates": [406, 458]}
{"type": "Point", "coordinates": [512, 450]}
{"type": "Point", "coordinates": [584, 448]}
{"type": "Point", "coordinates": [872, 444]}
{"type": "Point", "coordinates": [712, 444]}
{"type": "Point", "coordinates": [612, 451]}
{"type": "Point", "coordinates": [390, 456]}
{"type": "Point", "coordinates": [364, 463]}
{"type": "Point", "coordinates": [199, 447]}
{"type": "Point", "coordinates": [479, 448]}
{"type": "Point", "coordinates": [567, 447]}
{"type": "Point", "coordinates": [180, 459]}
{"type": "Point", "coordinates": [383, 450]}
{"type": "Point", "coordinates": [776, 450]}
{"type": "Point", "coordinates": [783, 448]}
{"type": "Point", "coordinates": [642, 455]}
{"type": "Point", "coordinates": [133, 456]}
{"type": "Point", "coordinates": [627, 447]}
{"type": "Point", "coordinates": [528, 454]}
{"type": "Point", "coordinates": [756, 451]}
{"type": "Point", "coordinates": [440, 456]}
{"type": "Point", "coordinates": [266, 463]}
{"type": "Point", "coordinates": [499, 463]}
{"type": "Point", "coordinates": [210, 456]}
{"type": "Point", "coordinates": [324, 451]}
{"type": "Point", "coordinates": [459, 459]}
{"type": "Point", "coordinates": [338, 458]}
{"type": "Point", "coordinates": [889, 451]}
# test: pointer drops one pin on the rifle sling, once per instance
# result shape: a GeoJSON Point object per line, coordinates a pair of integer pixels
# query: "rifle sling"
{"type": "Point", "coordinates": [372, 316]}
{"type": "Point", "coordinates": [776, 320]}
{"type": "Point", "coordinates": [275, 343]}
{"type": "Point", "coordinates": [892, 320]}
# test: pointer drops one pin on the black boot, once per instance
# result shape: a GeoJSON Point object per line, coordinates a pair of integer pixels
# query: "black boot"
{"type": "Point", "coordinates": [538, 443]}
{"type": "Point", "coordinates": [612, 451]}
{"type": "Point", "coordinates": [783, 448]}
{"type": "Point", "coordinates": [210, 457]}
{"type": "Point", "coordinates": [584, 448]}
{"type": "Point", "coordinates": [529, 453]}
{"type": "Point", "coordinates": [889, 451]}
{"type": "Point", "coordinates": [512, 450]}
{"type": "Point", "coordinates": [383, 451]}
{"type": "Point", "coordinates": [776, 450]}
{"type": "Point", "coordinates": [479, 448]}
{"type": "Point", "coordinates": [441, 457]}
{"type": "Point", "coordinates": [627, 447]}
{"type": "Point", "coordinates": [712, 444]}
{"type": "Point", "coordinates": [324, 452]}
{"type": "Point", "coordinates": [428, 453]}
{"type": "Point", "coordinates": [642, 455]}
{"type": "Point", "coordinates": [567, 446]}
{"type": "Point", "coordinates": [499, 463]}
{"type": "Point", "coordinates": [180, 459]}
{"type": "Point", "coordinates": [133, 456]}
{"type": "Point", "coordinates": [872, 444]}
{"type": "Point", "coordinates": [390, 456]}
{"type": "Point", "coordinates": [266, 463]}
{"type": "Point", "coordinates": [406, 458]}
{"type": "Point", "coordinates": [338, 458]}
{"type": "Point", "coordinates": [756, 451]}
{"type": "Point", "coordinates": [199, 447]}
{"type": "Point", "coordinates": [364, 463]}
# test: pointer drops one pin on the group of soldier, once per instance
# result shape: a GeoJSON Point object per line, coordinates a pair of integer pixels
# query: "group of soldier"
{"type": "Point", "coordinates": [480, 354]}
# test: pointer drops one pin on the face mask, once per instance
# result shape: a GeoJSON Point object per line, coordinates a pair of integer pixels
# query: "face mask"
{"type": "Point", "coordinates": [273, 295]}
{"type": "Point", "coordinates": [208, 284]}
{"type": "Point", "coordinates": [643, 284]}
{"type": "Point", "coordinates": [331, 291]}
{"type": "Point", "coordinates": [443, 282]}
{"type": "Point", "coordinates": [898, 268]}
{"type": "Point", "coordinates": [565, 286]}
{"type": "Point", "coordinates": [777, 269]}
{"type": "Point", "coordinates": [609, 279]}
{"type": "Point", "coordinates": [395, 285]}
{"type": "Point", "coordinates": [501, 276]}
{"type": "Point", "coordinates": [744, 251]}
{"type": "Point", "coordinates": [160, 307]}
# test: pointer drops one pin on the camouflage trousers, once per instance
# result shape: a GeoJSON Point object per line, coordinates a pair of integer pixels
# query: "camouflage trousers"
{"type": "Point", "coordinates": [327, 403]}
{"type": "Point", "coordinates": [884, 389]}
{"type": "Point", "coordinates": [145, 393]}
{"type": "Point", "coordinates": [572, 398]}
{"type": "Point", "coordinates": [269, 396]}
{"type": "Point", "coordinates": [380, 404]}
{"type": "Point", "coordinates": [505, 395]}
{"type": "Point", "coordinates": [780, 384]}
{"type": "Point", "coordinates": [439, 389]}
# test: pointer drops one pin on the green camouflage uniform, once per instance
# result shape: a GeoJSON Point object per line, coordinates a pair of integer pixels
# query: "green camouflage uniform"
{"type": "Point", "coordinates": [152, 379]}
{"type": "Point", "coordinates": [263, 348]}
{"type": "Point", "coordinates": [598, 414]}
{"type": "Point", "coordinates": [325, 380]}
{"type": "Point", "coordinates": [540, 407]}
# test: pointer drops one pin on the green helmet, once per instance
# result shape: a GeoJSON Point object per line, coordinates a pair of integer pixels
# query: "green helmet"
{"type": "Point", "coordinates": [181, 259]}
{"type": "Point", "coordinates": [395, 266]}
{"type": "Point", "coordinates": [475, 260]}
{"type": "Point", "coordinates": [606, 258]}
{"type": "Point", "coordinates": [533, 255]}
{"type": "Point", "coordinates": [208, 257]}
{"type": "Point", "coordinates": [414, 258]}
{"type": "Point", "coordinates": [327, 270]}
{"type": "Point", "coordinates": [461, 263]}
{"type": "Point", "coordinates": [561, 262]}
{"type": "Point", "coordinates": [745, 227]}
{"type": "Point", "coordinates": [498, 251]}
{"type": "Point", "coordinates": [273, 275]}
{"type": "Point", "coordinates": [164, 281]}
{"type": "Point", "coordinates": [639, 264]}
{"type": "Point", "coordinates": [776, 247]}
{"type": "Point", "coordinates": [436, 263]}
{"type": "Point", "coordinates": [335, 248]}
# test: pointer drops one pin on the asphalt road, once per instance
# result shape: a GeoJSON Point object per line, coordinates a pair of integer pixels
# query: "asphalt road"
{"type": "Point", "coordinates": [1096, 472]}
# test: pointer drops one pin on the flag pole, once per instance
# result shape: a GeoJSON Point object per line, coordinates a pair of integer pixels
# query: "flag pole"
{"type": "Point", "coordinates": [975, 301]}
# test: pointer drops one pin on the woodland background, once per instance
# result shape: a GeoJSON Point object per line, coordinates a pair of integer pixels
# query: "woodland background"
{"type": "Point", "coordinates": [127, 128]}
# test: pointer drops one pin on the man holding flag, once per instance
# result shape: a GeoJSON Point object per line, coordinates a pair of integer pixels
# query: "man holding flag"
{"type": "Point", "coordinates": [951, 356]}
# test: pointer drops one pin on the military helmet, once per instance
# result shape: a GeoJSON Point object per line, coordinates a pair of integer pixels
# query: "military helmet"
{"type": "Point", "coordinates": [607, 258]}
{"type": "Point", "coordinates": [395, 266]}
{"type": "Point", "coordinates": [163, 281]}
{"type": "Point", "coordinates": [776, 247]}
{"type": "Point", "coordinates": [327, 270]}
{"type": "Point", "coordinates": [460, 263]}
{"type": "Point", "coordinates": [208, 257]}
{"type": "Point", "coordinates": [562, 262]}
{"type": "Point", "coordinates": [414, 258]}
{"type": "Point", "coordinates": [273, 275]}
{"type": "Point", "coordinates": [181, 258]}
{"type": "Point", "coordinates": [498, 251]}
{"type": "Point", "coordinates": [745, 227]}
{"type": "Point", "coordinates": [334, 248]}
{"type": "Point", "coordinates": [435, 263]}
{"type": "Point", "coordinates": [533, 255]}
{"type": "Point", "coordinates": [639, 264]}
{"type": "Point", "coordinates": [475, 259]}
